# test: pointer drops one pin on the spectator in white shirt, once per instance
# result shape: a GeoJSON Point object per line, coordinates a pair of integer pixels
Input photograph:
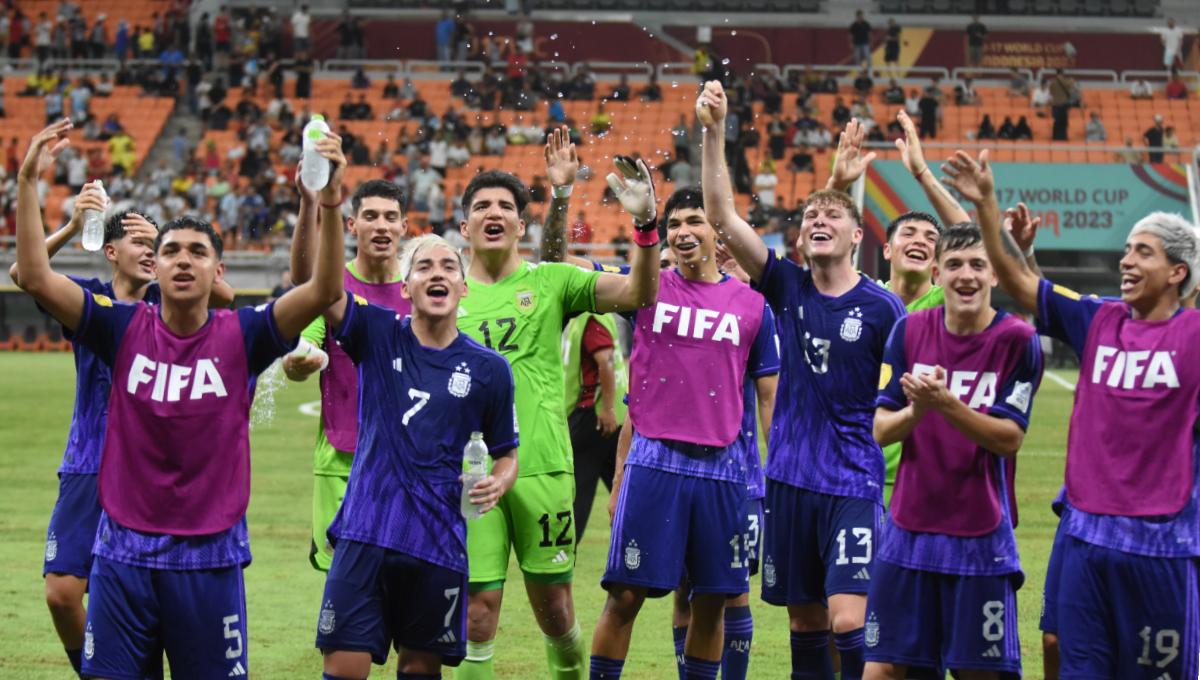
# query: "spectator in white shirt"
{"type": "Point", "coordinates": [1172, 40]}
{"type": "Point", "coordinates": [301, 20]}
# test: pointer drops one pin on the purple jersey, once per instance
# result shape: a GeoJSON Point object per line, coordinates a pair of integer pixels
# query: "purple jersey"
{"type": "Point", "coordinates": [765, 364]}
{"type": "Point", "coordinates": [417, 409]}
{"type": "Point", "coordinates": [951, 511]}
{"type": "Point", "coordinates": [700, 339]}
{"type": "Point", "coordinates": [176, 471]}
{"type": "Point", "coordinates": [821, 434]}
{"type": "Point", "coordinates": [339, 381]}
{"type": "Point", "coordinates": [690, 352]}
{"type": "Point", "coordinates": [1128, 491]}
{"type": "Point", "coordinates": [93, 382]}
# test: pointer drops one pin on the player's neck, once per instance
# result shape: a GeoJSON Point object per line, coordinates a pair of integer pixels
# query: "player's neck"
{"type": "Point", "coordinates": [184, 318]}
{"type": "Point", "coordinates": [704, 272]}
{"type": "Point", "coordinates": [376, 270]}
{"type": "Point", "coordinates": [490, 266]}
{"type": "Point", "coordinates": [969, 323]}
{"type": "Point", "coordinates": [833, 277]}
{"type": "Point", "coordinates": [1163, 309]}
{"type": "Point", "coordinates": [434, 332]}
{"type": "Point", "coordinates": [128, 290]}
{"type": "Point", "coordinates": [911, 287]}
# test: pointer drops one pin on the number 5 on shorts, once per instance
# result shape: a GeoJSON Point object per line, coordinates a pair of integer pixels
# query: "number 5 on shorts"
{"type": "Point", "coordinates": [232, 632]}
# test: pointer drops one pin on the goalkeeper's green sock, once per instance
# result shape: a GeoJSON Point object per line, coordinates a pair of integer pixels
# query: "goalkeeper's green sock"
{"type": "Point", "coordinates": [478, 663]}
{"type": "Point", "coordinates": [567, 656]}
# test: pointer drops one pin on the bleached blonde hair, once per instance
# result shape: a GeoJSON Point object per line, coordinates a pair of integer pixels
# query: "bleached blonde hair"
{"type": "Point", "coordinates": [422, 243]}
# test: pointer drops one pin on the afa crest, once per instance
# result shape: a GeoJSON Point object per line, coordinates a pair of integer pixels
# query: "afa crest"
{"type": "Point", "coordinates": [51, 547]}
{"type": "Point", "coordinates": [633, 556]}
{"type": "Point", "coordinates": [460, 381]}
{"type": "Point", "coordinates": [89, 643]}
{"type": "Point", "coordinates": [871, 631]}
{"type": "Point", "coordinates": [769, 573]}
{"type": "Point", "coordinates": [526, 301]}
{"type": "Point", "coordinates": [327, 620]}
{"type": "Point", "coordinates": [852, 325]}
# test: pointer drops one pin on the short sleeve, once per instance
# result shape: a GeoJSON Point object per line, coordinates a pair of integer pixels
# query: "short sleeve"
{"type": "Point", "coordinates": [578, 287]}
{"type": "Point", "coordinates": [353, 334]}
{"type": "Point", "coordinates": [623, 269]}
{"type": "Point", "coordinates": [778, 276]}
{"type": "Point", "coordinates": [102, 324]}
{"type": "Point", "coordinates": [261, 336]}
{"type": "Point", "coordinates": [596, 337]}
{"type": "Point", "coordinates": [88, 285]}
{"type": "Point", "coordinates": [500, 420]}
{"type": "Point", "coordinates": [1015, 398]}
{"type": "Point", "coordinates": [764, 353]}
{"type": "Point", "coordinates": [1064, 314]}
{"type": "Point", "coordinates": [895, 364]}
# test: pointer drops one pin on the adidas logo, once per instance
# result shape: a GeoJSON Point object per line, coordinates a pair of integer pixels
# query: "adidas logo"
{"type": "Point", "coordinates": [1164, 676]}
{"type": "Point", "coordinates": [448, 638]}
{"type": "Point", "coordinates": [238, 670]}
{"type": "Point", "coordinates": [862, 575]}
{"type": "Point", "coordinates": [561, 557]}
{"type": "Point", "coordinates": [992, 652]}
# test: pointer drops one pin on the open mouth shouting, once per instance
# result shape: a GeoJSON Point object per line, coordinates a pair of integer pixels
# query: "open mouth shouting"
{"type": "Point", "coordinates": [1129, 281]}
{"type": "Point", "coordinates": [493, 231]}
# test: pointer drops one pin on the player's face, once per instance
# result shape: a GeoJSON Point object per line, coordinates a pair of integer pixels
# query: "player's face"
{"type": "Point", "coordinates": [1146, 272]}
{"type": "Point", "coordinates": [436, 283]}
{"type": "Point", "coordinates": [493, 221]}
{"type": "Point", "coordinates": [911, 248]}
{"type": "Point", "coordinates": [828, 231]}
{"type": "Point", "coordinates": [690, 237]}
{"type": "Point", "coordinates": [132, 257]}
{"type": "Point", "coordinates": [187, 265]}
{"type": "Point", "coordinates": [378, 227]}
{"type": "Point", "coordinates": [968, 278]}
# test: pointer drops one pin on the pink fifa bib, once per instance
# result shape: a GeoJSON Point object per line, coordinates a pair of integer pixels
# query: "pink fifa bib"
{"type": "Point", "coordinates": [689, 360]}
{"type": "Point", "coordinates": [339, 381]}
{"type": "Point", "coordinates": [1131, 442]}
{"type": "Point", "coordinates": [177, 448]}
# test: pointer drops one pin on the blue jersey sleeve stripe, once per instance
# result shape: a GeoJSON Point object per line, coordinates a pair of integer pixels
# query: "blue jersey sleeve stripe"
{"type": "Point", "coordinates": [1004, 411]}
{"type": "Point", "coordinates": [277, 339]}
{"type": "Point", "coordinates": [503, 449]}
{"type": "Point", "coordinates": [1043, 310]}
{"type": "Point", "coordinates": [762, 371]}
{"type": "Point", "coordinates": [884, 401]}
{"type": "Point", "coordinates": [343, 328]}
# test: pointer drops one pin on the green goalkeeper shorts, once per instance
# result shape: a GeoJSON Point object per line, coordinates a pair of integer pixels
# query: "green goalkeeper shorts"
{"type": "Point", "coordinates": [535, 519]}
{"type": "Point", "coordinates": [328, 492]}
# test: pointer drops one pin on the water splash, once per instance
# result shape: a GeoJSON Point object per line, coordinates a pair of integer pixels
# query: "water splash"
{"type": "Point", "coordinates": [262, 412]}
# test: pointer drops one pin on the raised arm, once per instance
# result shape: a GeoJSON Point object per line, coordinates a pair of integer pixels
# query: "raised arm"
{"type": "Point", "coordinates": [304, 236]}
{"type": "Point", "coordinates": [299, 306]}
{"type": "Point", "coordinates": [1022, 226]}
{"type": "Point", "coordinates": [88, 199]}
{"type": "Point", "coordinates": [562, 165]}
{"type": "Point", "coordinates": [948, 210]}
{"type": "Point", "coordinates": [973, 180]}
{"type": "Point", "coordinates": [743, 243]}
{"type": "Point", "coordinates": [634, 187]}
{"type": "Point", "coordinates": [54, 292]}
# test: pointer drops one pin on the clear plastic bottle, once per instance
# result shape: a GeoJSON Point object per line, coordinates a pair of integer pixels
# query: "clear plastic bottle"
{"type": "Point", "coordinates": [314, 168]}
{"type": "Point", "coordinates": [474, 469]}
{"type": "Point", "coordinates": [93, 223]}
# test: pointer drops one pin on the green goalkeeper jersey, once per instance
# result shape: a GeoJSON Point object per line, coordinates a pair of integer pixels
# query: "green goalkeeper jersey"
{"type": "Point", "coordinates": [521, 317]}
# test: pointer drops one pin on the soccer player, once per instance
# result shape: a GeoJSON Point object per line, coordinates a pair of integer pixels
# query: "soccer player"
{"type": "Point", "coordinates": [171, 541]}
{"type": "Point", "coordinates": [129, 248]}
{"type": "Point", "coordinates": [517, 309]}
{"type": "Point", "coordinates": [1126, 606]}
{"type": "Point", "coordinates": [596, 383]}
{"type": "Point", "coordinates": [956, 389]}
{"type": "Point", "coordinates": [825, 471]}
{"type": "Point", "coordinates": [378, 224]}
{"type": "Point", "coordinates": [712, 325]}
{"type": "Point", "coordinates": [758, 397]}
{"type": "Point", "coordinates": [399, 574]}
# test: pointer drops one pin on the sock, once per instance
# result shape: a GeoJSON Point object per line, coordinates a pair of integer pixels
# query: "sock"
{"type": "Point", "coordinates": [417, 676]}
{"type": "Point", "coordinates": [604, 668]}
{"type": "Point", "coordinates": [565, 655]}
{"type": "Point", "coordinates": [850, 647]}
{"type": "Point", "coordinates": [331, 676]}
{"type": "Point", "coordinates": [478, 663]}
{"type": "Point", "coordinates": [701, 669]}
{"type": "Point", "coordinates": [810, 656]}
{"type": "Point", "coordinates": [76, 657]}
{"type": "Point", "coordinates": [680, 635]}
{"type": "Point", "coordinates": [739, 631]}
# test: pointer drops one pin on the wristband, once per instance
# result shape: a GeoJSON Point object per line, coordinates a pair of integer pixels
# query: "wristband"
{"type": "Point", "coordinates": [563, 191]}
{"type": "Point", "coordinates": [923, 171]}
{"type": "Point", "coordinates": [646, 235]}
{"type": "Point", "coordinates": [333, 206]}
{"type": "Point", "coordinates": [1028, 253]}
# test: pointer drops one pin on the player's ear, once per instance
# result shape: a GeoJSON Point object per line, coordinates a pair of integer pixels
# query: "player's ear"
{"type": "Point", "coordinates": [110, 252]}
{"type": "Point", "coordinates": [404, 292]}
{"type": "Point", "coordinates": [887, 252]}
{"type": "Point", "coordinates": [937, 272]}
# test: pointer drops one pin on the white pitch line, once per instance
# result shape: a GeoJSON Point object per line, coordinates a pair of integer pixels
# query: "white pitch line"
{"type": "Point", "coordinates": [311, 408]}
{"type": "Point", "coordinates": [1062, 382]}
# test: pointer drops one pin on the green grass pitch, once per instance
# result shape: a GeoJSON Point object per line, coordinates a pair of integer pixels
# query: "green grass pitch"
{"type": "Point", "coordinates": [283, 591]}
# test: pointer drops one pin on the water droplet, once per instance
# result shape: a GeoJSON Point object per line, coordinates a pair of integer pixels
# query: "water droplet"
{"type": "Point", "coordinates": [733, 32]}
{"type": "Point", "coordinates": [712, 393]}
{"type": "Point", "coordinates": [554, 36]}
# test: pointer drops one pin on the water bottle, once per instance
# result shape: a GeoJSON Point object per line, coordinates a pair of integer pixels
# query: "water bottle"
{"type": "Point", "coordinates": [305, 348]}
{"type": "Point", "coordinates": [474, 469]}
{"type": "Point", "coordinates": [314, 168]}
{"type": "Point", "coordinates": [93, 223]}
